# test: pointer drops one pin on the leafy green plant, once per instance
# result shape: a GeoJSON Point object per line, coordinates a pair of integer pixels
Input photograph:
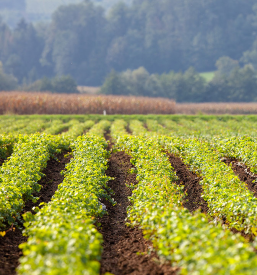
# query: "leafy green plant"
{"type": "Point", "coordinates": [226, 195]}
{"type": "Point", "coordinates": [186, 240]}
{"type": "Point", "coordinates": [20, 174]}
{"type": "Point", "coordinates": [62, 236]}
{"type": "Point", "coordinates": [100, 128]}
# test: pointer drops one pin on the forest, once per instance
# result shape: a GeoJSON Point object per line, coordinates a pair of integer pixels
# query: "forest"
{"type": "Point", "coordinates": [167, 39]}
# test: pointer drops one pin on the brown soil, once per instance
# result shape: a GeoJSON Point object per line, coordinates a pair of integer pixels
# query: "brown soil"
{"type": "Point", "coordinates": [9, 244]}
{"type": "Point", "coordinates": [146, 127]}
{"type": "Point", "coordinates": [107, 136]}
{"type": "Point", "coordinates": [190, 181]}
{"type": "Point", "coordinates": [125, 249]}
{"type": "Point", "coordinates": [64, 130]}
{"type": "Point", "coordinates": [193, 199]}
{"type": "Point", "coordinates": [1, 162]}
{"type": "Point", "coordinates": [128, 129]}
{"type": "Point", "coordinates": [244, 174]}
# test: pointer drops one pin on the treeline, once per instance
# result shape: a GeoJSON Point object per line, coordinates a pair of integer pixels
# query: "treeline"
{"type": "Point", "coordinates": [230, 84]}
{"type": "Point", "coordinates": [87, 43]}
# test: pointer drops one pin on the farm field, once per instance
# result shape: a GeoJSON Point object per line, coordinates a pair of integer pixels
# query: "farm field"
{"type": "Point", "coordinates": [32, 103]}
{"type": "Point", "coordinates": [138, 194]}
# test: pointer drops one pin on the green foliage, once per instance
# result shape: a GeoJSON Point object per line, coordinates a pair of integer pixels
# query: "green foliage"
{"type": "Point", "coordinates": [62, 237]}
{"type": "Point", "coordinates": [161, 36]}
{"type": "Point", "coordinates": [226, 65]}
{"type": "Point", "coordinates": [114, 85]}
{"type": "Point", "coordinates": [190, 241]}
{"type": "Point", "coordinates": [118, 128]}
{"type": "Point", "coordinates": [189, 86]}
{"type": "Point", "coordinates": [100, 128]}
{"type": "Point", "coordinates": [227, 197]}
{"type": "Point", "coordinates": [20, 174]}
{"type": "Point", "coordinates": [241, 148]}
{"type": "Point", "coordinates": [57, 126]}
{"type": "Point", "coordinates": [237, 86]}
{"type": "Point", "coordinates": [208, 76]}
{"type": "Point", "coordinates": [7, 82]}
{"type": "Point", "coordinates": [6, 145]}
{"type": "Point", "coordinates": [137, 127]}
{"type": "Point", "coordinates": [76, 129]}
{"type": "Point", "coordinates": [63, 84]}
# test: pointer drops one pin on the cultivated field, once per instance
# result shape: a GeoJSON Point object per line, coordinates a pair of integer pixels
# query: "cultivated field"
{"type": "Point", "coordinates": [166, 194]}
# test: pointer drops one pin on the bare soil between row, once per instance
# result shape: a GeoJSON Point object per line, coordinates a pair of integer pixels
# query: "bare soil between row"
{"type": "Point", "coordinates": [244, 174]}
{"type": "Point", "coordinates": [9, 244]}
{"type": "Point", "coordinates": [190, 181]}
{"type": "Point", "coordinates": [193, 189]}
{"type": "Point", "coordinates": [1, 161]}
{"type": "Point", "coordinates": [125, 251]}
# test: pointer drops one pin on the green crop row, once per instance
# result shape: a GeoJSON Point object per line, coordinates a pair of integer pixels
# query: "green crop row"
{"type": "Point", "coordinates": [100, 128]}
{"type": "Point", "coordinates": [15, 126]}
{"type": "Point", "coordinates": [227, 197]}
{"type": "Point", "coordinates": [199, 127]}
{"type": "Point", "coordinates": [56, 127]}
{"type": "Point", "coordinates": [4, 123]}
{"type": "Point", "coordinates": [187, 241]}
{"type": "Point", "coordinates": [62, 236]}
{"type": "Point", "coordinates": [76, 129]}
{"type": "Point", "coordinates": [118, 128]}
{"type": "Point", "coordinates": [154, 126]}
{"type": "Point", "coordinates": [241, 148]}
{"type": "Point", "coordinates": [6, 145]}
{"type": "Point", "coordinates": [33, 126]}
{"type": "Point", "coordinates": [137, 127]}
{"type": "Point", "coordinates": [20, 174]}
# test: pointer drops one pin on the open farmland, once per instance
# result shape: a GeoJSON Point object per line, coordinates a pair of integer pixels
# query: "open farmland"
{"type": "Point", "coordinates": [156, 194]}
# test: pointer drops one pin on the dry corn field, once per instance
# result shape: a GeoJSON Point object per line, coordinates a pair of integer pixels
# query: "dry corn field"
{"type": "Point", "coordinates": [216, 108]}
{"type": "Point", "coordinates": [23, 103]}
{"type": "Point", "coordinates": [46, 103]}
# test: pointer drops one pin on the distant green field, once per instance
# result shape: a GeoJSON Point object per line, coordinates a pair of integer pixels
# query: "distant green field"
{"type": "Point", "coordinates": [208, 75]}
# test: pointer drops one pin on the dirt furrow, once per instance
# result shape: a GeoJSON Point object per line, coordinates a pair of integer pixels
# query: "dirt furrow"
{"type": "Point", "coordinates": [125, 249]}
{"type": "Point", "coordinates": [193, 189]}
{"type": "Point", "coordinates": [244, 174]}
{"type": "Point", "coordinates": [128, 129]}
{"type": "Point", "coordinates": [190, 181]}
{"type": "Point", "coordinates": [1, 162]}
{"type": "Point", "coordinates": [9, 244]}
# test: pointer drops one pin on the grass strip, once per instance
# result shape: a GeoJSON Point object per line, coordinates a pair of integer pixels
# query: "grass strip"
{"type": "Point", "coordinates": [77, 128]}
